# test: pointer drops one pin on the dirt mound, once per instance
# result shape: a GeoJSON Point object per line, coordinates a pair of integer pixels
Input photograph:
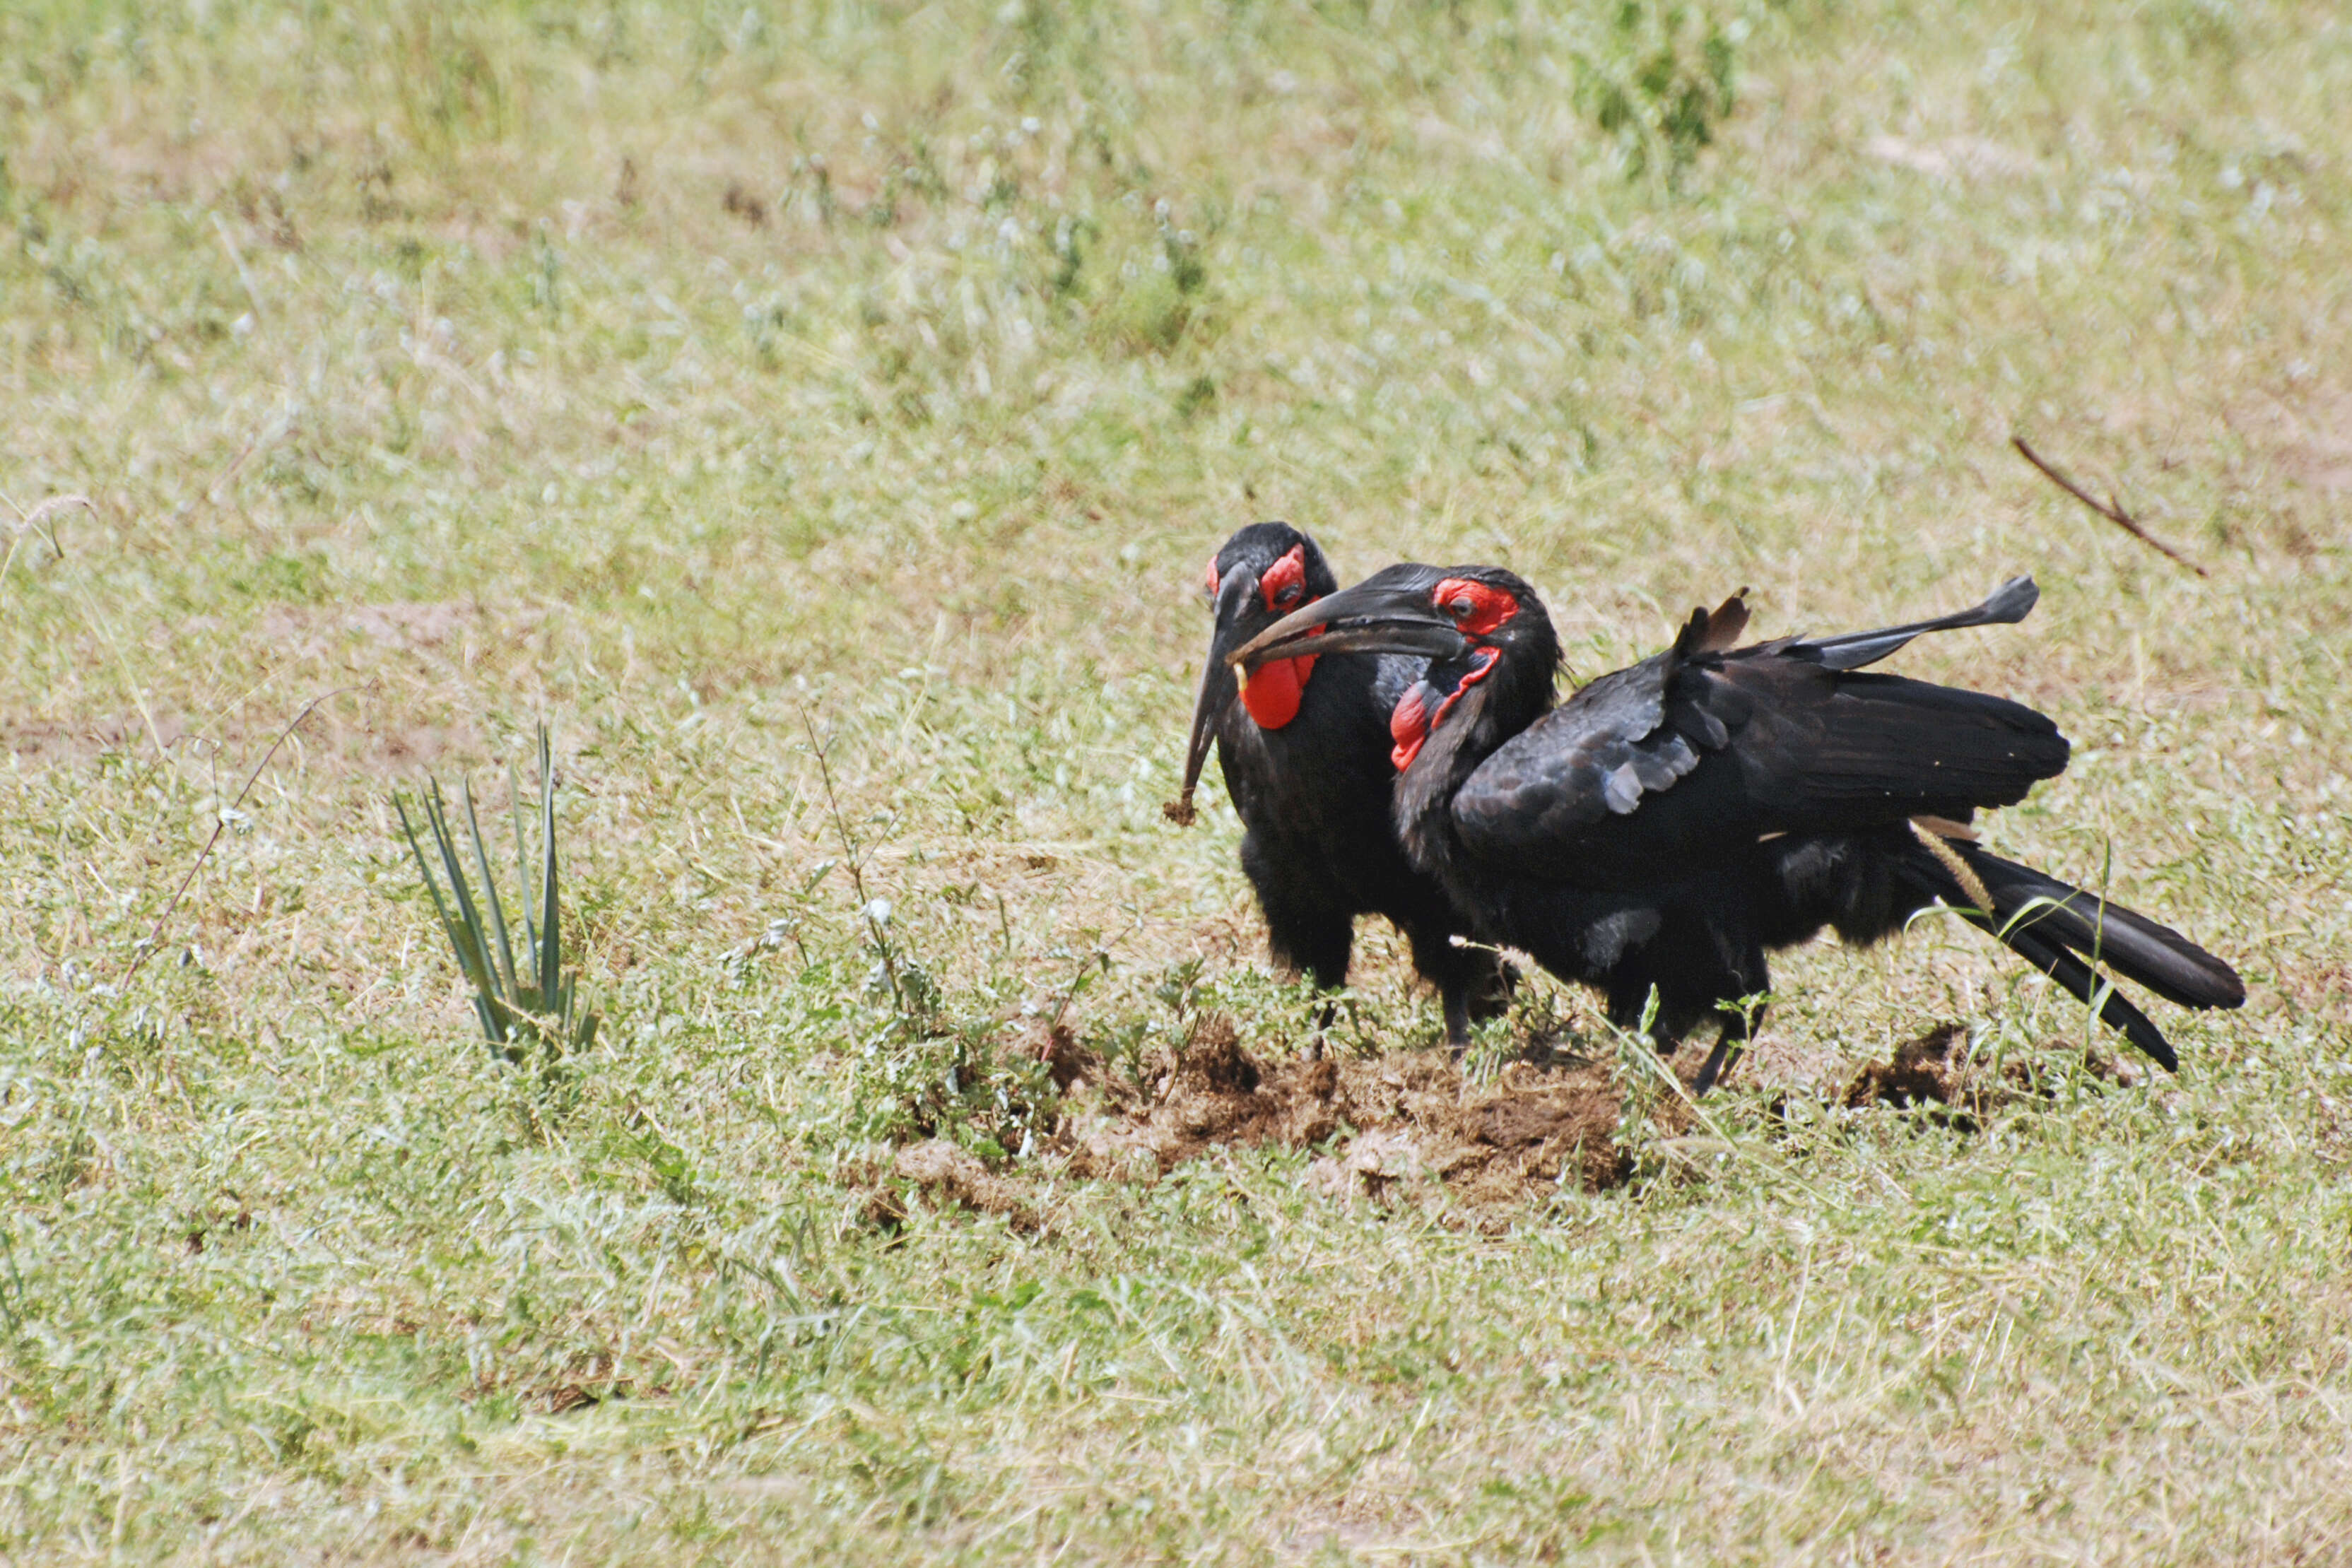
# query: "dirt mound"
{"type": "Point", "coordinates": [1933, 1070]}
{"type": "Point", "coordinates": [1408, 1118]}
{"type": "Point", "coordinates": [1392, 1127]}
{"type": "Point", "coordinates": [1406, 1127]}
{"type": "Point", "coordinates": [1938, 1072]}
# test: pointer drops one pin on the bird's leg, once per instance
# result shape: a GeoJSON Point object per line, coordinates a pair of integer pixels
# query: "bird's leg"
{"type": "Point", "coordinates": [1493, 982]}
{"type": "Point", "coordinates": [1310, 941]}
{"type": "Point", "coordinates": [1628, 1010]}
{"type": "Point", "coordinates": [1472, 980]}
{"type": "Point", "coordinates": [1739, 1026]}
{"type": "Point", "coordinates": [1458, 1019]}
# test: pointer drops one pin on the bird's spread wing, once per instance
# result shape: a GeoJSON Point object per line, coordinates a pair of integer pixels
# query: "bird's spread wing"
{"type": "Point", "coordinates": [1702, 748]}
{"type": "Point", "coordinates": [1627, 735]}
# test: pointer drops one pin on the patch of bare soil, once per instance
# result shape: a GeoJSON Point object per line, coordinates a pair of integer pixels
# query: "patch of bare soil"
{"type": "Point", "coordinates": [1408, 1125]}
{"type": "Point", "coordinates": [1955, 158]}
{"type": "Point", "coordinates": [946, 1173]}
{"type": "Point", "coordinates": [326, 738]}
{"type": "Point", "coordinates": [1405, 1127]}
{"type": "Point", "coordinates": [404, 626]}
{"type": "Point", "coordinates": [2310, 438]}
{"type": "Point", "coordinates": [1938, 1070]}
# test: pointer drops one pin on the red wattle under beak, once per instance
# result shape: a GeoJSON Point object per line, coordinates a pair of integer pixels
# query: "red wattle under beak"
{"type": "Point", "coordinates": [1274, 689]}
{"type": "Point", "coordinates": [1409, 726]}
{"type": "Point", "coordinates": [1411, 722]}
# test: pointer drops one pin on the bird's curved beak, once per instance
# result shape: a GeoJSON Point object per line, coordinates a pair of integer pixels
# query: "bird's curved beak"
{"type": "Point", "coordinates": [1387, 612]}
{"type": "Point", "coordinates": [1218, 685]}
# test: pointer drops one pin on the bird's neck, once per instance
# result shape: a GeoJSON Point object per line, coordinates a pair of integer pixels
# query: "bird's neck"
{"type": "Point", "coordinates": [1478, 702]}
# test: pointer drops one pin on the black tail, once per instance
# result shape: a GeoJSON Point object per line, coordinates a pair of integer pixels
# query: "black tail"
{"type": "Point", "coordinates": [2134, 946]}
{"type": "Point", "coordinates": [2063, 932]}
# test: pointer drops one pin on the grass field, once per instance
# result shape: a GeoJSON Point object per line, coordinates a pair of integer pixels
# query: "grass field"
{"type": "Point", "coordinates": [716, 382]}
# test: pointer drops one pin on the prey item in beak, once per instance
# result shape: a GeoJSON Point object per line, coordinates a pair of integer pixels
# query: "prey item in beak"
{"type": "Point", "coordinates": [1387, 612]}
{"type": "Point", "coordinates": [1219, 687]}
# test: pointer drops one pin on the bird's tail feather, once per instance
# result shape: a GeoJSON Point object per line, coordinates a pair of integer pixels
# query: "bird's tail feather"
{"type": "Point", "coordinates": [2137, 948]}
{"type": "Point", "coordinates": [2064, 932]}
{"type": "Point", "coordinates": [2085, 984]}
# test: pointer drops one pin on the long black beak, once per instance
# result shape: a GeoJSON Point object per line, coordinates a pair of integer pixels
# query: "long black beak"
{"type": "Point", "coordinates": [1387, 612]}
{"type": "Point", "coordinates": [1219, 687]}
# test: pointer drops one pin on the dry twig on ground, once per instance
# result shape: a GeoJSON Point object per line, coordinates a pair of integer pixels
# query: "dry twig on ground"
{"type": "Point", "coordinates": [2109, 508]}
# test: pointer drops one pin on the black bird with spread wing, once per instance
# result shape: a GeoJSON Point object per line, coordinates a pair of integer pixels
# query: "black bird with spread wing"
{"type": "Point", "coordinates": [1305, 751]}
{"type": "Point", "coordinates": [1672, 822]}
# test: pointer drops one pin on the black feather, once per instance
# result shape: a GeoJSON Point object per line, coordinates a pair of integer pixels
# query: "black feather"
{"type": "Point", "coordinates": [2137, 948]}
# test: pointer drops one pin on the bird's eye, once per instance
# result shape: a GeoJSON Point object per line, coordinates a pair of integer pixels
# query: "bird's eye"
{"type": "Point", "coordinates": [1460, 608]}
{"type": "Point", "coordinates": [1289, 595]}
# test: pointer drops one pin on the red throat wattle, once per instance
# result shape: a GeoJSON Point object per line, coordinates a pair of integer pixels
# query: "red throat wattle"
{"type": "Point", "coordinates": [1409, 726]}
{"type": "Point", "coordinates": [1273, 691]}
{"type": "Point", "coordinates": [1411, 722]}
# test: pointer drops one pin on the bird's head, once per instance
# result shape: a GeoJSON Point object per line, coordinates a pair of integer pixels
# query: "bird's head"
{"type": "Point", "coordinates": [1260, 575]}
{"type": "Point", "coordinates": [1470, 622]}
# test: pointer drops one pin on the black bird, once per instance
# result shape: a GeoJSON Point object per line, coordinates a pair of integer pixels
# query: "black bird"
{"type": "Point", "coordinates": [1672, 821]}
{"type": "Point", "coordinates": [1305, 757]}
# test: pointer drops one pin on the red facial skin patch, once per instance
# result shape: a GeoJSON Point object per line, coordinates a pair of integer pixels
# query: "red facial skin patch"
{"type": "Point", "coordinates": [1489, 606]}
{"type": "Point", "coordinates": [1283, 586]}
{"type": "Point", "coordinates": [1412, 724]}
{"type": "Point", "coordinates": [1273, 691]}
{"type": "Point", "coordinates": [1212, 577]}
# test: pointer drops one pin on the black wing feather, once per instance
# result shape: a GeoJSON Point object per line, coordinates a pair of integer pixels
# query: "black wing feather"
{"type": "Point", "coordinates": [2011, 602]}
{"type": "Point", "coordinates": [1695, 748]}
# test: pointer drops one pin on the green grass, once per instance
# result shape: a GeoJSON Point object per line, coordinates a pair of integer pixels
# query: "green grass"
{"type": "Point", "coordinates": [701, 378]}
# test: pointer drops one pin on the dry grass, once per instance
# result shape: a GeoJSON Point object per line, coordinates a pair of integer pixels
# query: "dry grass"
{"type": "Point", "coordinates": [677, 373]}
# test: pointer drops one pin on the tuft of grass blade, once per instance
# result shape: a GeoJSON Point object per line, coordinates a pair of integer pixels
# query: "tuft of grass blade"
{"type": "Point", "coordinates": [528, 1007]}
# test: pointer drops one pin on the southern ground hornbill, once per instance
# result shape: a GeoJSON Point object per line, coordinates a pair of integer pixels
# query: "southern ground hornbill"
{"type": "Point", "coordinates": [1672, 820]}
{"type": "Point", "coordinates": [1305, 760]}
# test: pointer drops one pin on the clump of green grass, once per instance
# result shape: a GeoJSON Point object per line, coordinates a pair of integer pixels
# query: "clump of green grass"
{"type": "Point", "coordinates": [925, 1059]}
{"type": "Point", "coordinates": [528, 1005]}
{"type": "Point", "coordinates": [1661, 85]}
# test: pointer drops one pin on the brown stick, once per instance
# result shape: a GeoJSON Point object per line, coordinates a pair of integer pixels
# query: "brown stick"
{"type": "Point", "coordinates": [2107, 508]}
